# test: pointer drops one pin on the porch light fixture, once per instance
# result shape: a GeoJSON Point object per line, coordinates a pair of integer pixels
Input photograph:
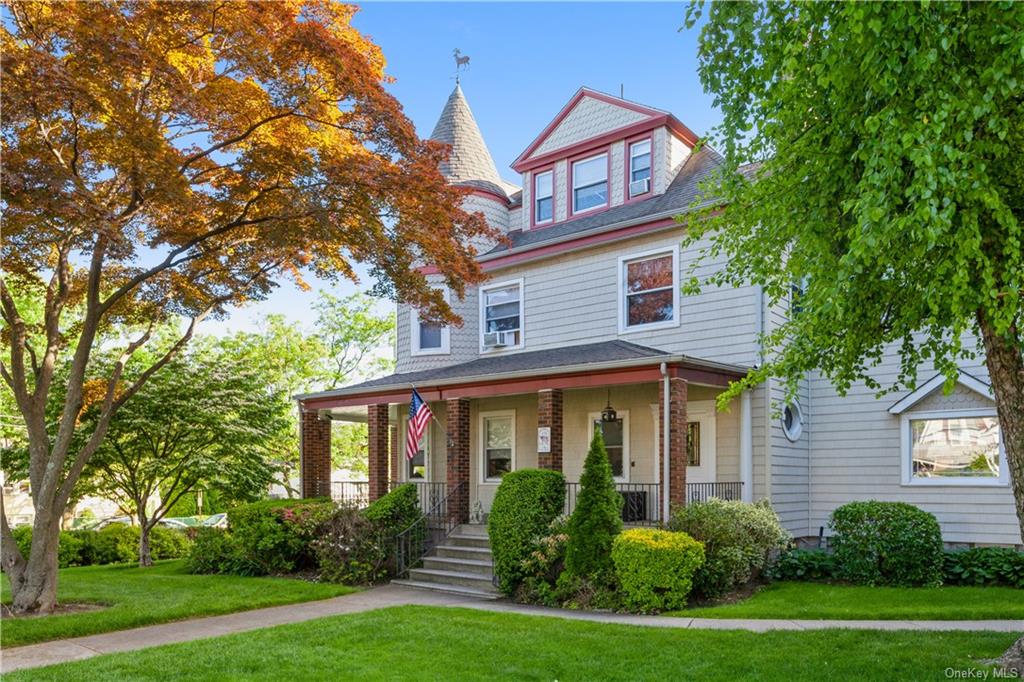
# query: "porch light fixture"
{"type": "Point", "coordinates": [608, 414]}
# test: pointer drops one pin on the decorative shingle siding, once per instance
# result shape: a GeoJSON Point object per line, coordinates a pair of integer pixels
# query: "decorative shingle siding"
{"type": "Point", "coordinates": [616, 189]}
{"type": "Point", "coordinates": [465, 341]}
{"type": "Point", "coordinates": [856, 456]}
{"type": "Point", "coordinates": [562, 198]}
{"type": "Point", "coordinates": [589, 118]}
{"type": "Point", "coordinates": [678, 152]}
{"type": "Point", "coordinates": [527, 212]}
{"type": "Point", "coordinates": [962, 398]}
{"type": "Point", "coordinates": [661, 164]}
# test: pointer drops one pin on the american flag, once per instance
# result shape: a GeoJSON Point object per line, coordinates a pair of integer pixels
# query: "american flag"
{"type": "Point", "coordinates": [419, 418]}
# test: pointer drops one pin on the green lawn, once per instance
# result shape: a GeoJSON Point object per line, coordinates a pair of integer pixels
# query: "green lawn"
{"type": "Point", "coordinates": [414, 642]}
{"type": "Point", "coordinates": [143, 596]}
{"type": "Point", "coordinates": [851, 602]}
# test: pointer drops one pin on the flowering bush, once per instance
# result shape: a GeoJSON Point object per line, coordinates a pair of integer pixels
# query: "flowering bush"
{"type": "Point", "coordinates": [274, 536]}
{"type": "Point", "coordinates": [351, 549]}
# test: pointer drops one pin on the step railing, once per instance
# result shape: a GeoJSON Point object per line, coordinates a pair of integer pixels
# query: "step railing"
{"type": "Point", "coordinates": [430, 530]}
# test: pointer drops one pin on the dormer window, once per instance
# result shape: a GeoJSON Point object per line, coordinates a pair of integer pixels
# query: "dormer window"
{"type": "Point", "coordinates": [639, 168]}
{"type": "Point", "coordinates": [543, 203]}
{"type": "Point", "coordinates": [590, 183]}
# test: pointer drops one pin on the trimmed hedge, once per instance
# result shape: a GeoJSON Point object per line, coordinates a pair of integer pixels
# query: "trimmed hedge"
{"type": "Point", "coordinates": [984, 566]}
{"type": "Point", "coordinates": [115, 544]}
{"type": "Point", "coordinates": [887, 543]}
{"type": "Point", "coordinates": [655, 568]}
{"type": "Point", "coordinates": [597, 518]}
{"type": "Point", "coordinates": [525, 504]}
{"type": "Point", "coordinates": [274, 536]}
{"type": "Point", "coordinates": [739, 541]}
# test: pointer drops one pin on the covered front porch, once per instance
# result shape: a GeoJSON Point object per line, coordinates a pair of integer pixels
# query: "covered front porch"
{"type": "Point", "coordinates": [667, 443]}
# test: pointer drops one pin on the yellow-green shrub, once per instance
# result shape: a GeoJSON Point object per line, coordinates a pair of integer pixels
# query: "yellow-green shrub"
{"type": "Point", "coordinates": [655, 567]}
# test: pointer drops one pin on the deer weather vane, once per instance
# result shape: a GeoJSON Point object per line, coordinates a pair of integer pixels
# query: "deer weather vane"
{"type": "Point", "coordinates": [460, 61]}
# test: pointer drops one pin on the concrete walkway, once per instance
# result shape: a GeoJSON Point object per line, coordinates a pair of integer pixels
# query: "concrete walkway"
{"type": "Point", "coordinates": [62, 651]}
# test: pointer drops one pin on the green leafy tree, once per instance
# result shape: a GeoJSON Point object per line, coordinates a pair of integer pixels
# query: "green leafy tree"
{"type": "Point", "coordinates": [597, 518]}
{"type": "Point", "coordinates": [886, 143]}
{"type": "Point", "coordinates": [203, 424]}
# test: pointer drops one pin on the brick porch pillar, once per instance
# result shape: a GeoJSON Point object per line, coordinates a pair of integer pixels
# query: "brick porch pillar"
{"type": "Point", "coordinates": [377, 421]}
{"type": "Point", "coordinates": [458, 458]}
{"type": "Point", "coordinates": [676, 440]}
{"type": "Point", "coordinates": [314, 455]}
{"type": "Point", "coordinates": [396, 463]}
{"type": "Point", "coordinates": [549, 414]}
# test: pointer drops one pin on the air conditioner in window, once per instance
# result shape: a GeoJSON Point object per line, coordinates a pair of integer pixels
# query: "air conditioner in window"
{"type": "Point", "coordinates": [499, 339]}
{"type": "Point", "coordinates": [638, 187]}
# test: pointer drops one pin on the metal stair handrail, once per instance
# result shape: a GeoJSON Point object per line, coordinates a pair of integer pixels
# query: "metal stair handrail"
{"type": "Point", "coordinates": [436, 524]}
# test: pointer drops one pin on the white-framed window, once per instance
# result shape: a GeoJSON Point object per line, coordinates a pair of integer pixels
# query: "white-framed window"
{"type": "Point", "coordinates": [640, 167]}
{"type": "Point", "coordinates": [616, 441]}
{"type": "Point", "coordinates": [501, 315]}
{"type": "Point", "coordinates": [429, 338]}
{"type": "Point", "coordinates": [953, 447]}
{"type": "Point", "coordinates": [417, 468]}
{"type": "Point", "coordinates": [792, 422]}
{"type": "Point", "coordinates": [649, 290]}
{"type": "Point", "coordinates": [590, 183]}
{"type": "Point", "coordinates": [497, 444]}
{"type": "Point", "coordinates": [543, 198]}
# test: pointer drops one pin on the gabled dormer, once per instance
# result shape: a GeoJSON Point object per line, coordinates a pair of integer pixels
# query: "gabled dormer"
{"type": "Point", "coordinates": [599, 152]}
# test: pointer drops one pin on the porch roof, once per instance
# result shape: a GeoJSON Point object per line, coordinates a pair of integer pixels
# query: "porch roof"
{"type": "Point", "coordinates": [587, 365]}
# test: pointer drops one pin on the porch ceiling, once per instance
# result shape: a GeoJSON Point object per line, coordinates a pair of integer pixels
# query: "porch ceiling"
{"type": "Point", "coordinates": [589, 365]}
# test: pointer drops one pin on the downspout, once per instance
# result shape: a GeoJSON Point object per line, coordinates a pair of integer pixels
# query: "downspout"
{"type": "Point", "coordinates": [767, 398]}
{"type": "Point", "coordinates": [665, 412]}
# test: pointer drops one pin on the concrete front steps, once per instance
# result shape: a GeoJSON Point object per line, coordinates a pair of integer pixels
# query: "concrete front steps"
{"type": "Point", "coordinates": [461, 565]}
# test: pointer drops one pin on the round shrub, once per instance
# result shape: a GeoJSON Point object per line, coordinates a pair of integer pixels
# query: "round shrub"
{"type": "Point", "coordinates": [71, 545]}
{"type": "Point", "coordinates": [396, 511]}
{"type": "Point", "coordinates": [274, 536]}
{"type": "Point", "coordinates": [214, 550]}
{"type": "Point", "coordinates": [886, 543]}
{"type": "Point", "coordinates": [167, 543]}
{"type": "Point", "coordinates": [115, 544]}
{"type": "Point", "coordinates": [739, 540]}
{"type": "Point", "coordinates": [655, 568]}
{"type": "Point", "coordinates": [525, 504]}
{"type": "Point", "coordinates": [597, 518]}
{"type": "Point", "coordinates": [350, 549]}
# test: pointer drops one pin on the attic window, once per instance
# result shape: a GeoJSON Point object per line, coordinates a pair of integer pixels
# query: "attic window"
{"type": "Point", "coordinates": [590, 183]}
{"type": "Point", "coordinates": [543, 204]}
{"type": "Point", "coordinates": [639, 168]}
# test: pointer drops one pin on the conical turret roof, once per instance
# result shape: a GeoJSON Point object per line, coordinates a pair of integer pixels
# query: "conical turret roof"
{"type": "Point", "coordinates": [469, 161]}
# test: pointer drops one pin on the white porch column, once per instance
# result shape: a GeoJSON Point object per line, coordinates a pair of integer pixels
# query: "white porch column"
{"type": "Point", "coordinates": [747, 446]}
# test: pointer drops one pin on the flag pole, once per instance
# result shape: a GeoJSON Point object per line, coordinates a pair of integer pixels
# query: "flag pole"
{"type": "Point", "coordinates": [432, 415]}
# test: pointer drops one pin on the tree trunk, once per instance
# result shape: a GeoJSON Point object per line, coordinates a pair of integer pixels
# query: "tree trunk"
{"type": "Point", "coordinates": [1004, 357]}
{"type": "Point", "coordinates": [145, 555]}
{"type": "Point", "coordinates": [34, 580]}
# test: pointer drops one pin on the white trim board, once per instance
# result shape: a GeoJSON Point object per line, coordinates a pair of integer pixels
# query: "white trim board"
{"type": "Point", "coordinates": [924, 390]}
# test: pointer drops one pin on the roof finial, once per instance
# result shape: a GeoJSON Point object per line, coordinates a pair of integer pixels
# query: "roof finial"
{"type": "Point", "coordinates": [460, 61]}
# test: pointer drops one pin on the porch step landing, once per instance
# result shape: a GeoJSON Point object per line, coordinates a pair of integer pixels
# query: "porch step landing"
{"type": "Point", "coordinates": [461, 565]}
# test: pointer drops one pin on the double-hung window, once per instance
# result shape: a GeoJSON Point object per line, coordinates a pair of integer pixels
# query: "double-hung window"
{"type": "Point", "coordinates": [590, 183]}
{"type": "Point", "coordinates": [953, 447]}
{"type": "Point", "coordinates": [616, 442]}
{"type": "Point", "coordinates": [497, 443]}
{"type": "Point", "coordinates": [649, 290]}
{"type": "Point", "coordinates": [501, 315]}
{"type": "Point", "coordinates": [544, 201]}
{"type": "Point", "coordinates": [429, 338]}
{"type": "Point", "coordinates": [639, 168]}
{"type": "Point", "coordinates": [416, 469]}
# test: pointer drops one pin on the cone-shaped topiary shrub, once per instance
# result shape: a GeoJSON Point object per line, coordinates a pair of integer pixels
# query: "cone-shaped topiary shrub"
{"type": "Point", "coordinates": [597, 518]}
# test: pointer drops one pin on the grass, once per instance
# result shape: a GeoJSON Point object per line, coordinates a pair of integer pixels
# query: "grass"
{"type": "Point", "coordinates": [414, 642]}
{"type": "Point", "coordinates": [143, 596]}
{"type": "Point", "coordinates": [805, 600]}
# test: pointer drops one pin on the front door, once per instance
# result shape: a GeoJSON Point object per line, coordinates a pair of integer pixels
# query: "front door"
{"type": "Point", "coordinates": [700, 442]}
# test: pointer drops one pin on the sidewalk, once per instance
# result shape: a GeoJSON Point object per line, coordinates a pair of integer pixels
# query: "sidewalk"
{"type": "Point", "coordinates": [61, 651]}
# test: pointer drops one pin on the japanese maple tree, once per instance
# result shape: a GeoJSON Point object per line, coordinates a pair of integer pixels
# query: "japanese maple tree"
{"type": "Point", "coordinates": [173, 159]}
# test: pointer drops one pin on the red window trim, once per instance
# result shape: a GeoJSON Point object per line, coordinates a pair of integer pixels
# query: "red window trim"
{"type": "Point", "coordinates": [570, 185]}
{"type": "Point", "coordinates": [533, 198]}
{"type": "Point", "coordinates": [626, 199]}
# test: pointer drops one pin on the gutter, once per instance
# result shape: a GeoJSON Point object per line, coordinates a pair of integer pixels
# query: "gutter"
{"type": "Point", "coordinates": [665, 416]}
{"type": "Point", "coordinates": [540, 371]}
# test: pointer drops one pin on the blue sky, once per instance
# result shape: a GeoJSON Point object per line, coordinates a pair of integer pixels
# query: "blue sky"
{"type": "Point", "coordinates": [527, 60]}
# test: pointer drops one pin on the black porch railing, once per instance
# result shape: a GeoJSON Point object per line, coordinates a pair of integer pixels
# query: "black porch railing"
{"type": "Point", "coordinates": [430, 530]}
{"type": "Point", "coordinates": [428, 492]}
{"type": "Point", "coordinates": [641, 502]}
